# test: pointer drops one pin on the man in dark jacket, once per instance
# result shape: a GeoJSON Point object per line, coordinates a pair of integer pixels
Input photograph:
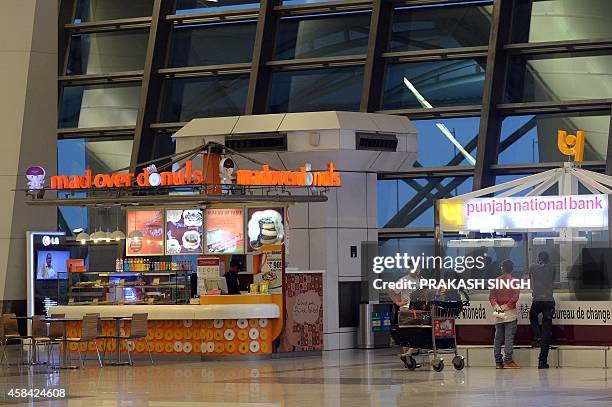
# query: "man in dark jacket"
{"type": "Point", "coordinates": [542, 277]}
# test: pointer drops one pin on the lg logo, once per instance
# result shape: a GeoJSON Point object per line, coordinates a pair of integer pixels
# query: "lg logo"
{"type": "Point", "coordinates": [50, 240]}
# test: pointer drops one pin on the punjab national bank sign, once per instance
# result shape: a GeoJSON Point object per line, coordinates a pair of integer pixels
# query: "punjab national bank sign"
{"type": "Point", "coordinates": [584, 212]}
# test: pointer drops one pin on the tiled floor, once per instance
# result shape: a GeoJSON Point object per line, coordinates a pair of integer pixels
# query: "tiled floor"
{"type": "Point", "coordinates": [343, 378]}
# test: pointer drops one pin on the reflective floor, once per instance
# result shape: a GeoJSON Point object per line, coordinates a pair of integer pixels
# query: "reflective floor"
{"type": "Point", "coordinates": [341, 378]}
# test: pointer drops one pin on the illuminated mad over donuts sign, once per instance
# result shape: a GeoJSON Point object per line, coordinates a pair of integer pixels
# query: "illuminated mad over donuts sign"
{"type": "Point", "coordinates": [192, 176]}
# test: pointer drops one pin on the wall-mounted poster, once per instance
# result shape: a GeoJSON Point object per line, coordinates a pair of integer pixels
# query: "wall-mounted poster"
{"type": "Point", "coordinates": [145, 233]}
{"type": "Point", "coordinates": [268, 267]}
{"type": "Point", "coordinates": [225, 230]}
{"type": "Point", "coordinates": [184, 231]}
{"type": "Point", "coordinates": [265, 227]}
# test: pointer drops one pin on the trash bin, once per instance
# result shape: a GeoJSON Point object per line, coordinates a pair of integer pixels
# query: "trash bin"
{"type": "Point", "coordinates": [374, 326]}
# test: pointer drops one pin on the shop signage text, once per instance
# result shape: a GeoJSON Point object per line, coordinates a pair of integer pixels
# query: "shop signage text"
{"type": "Point", "coordinates": [191, 176]}
{"type": "Point", "coordinates": [302, 177]}
{"type": "Point", "coordinates": [525, 213]}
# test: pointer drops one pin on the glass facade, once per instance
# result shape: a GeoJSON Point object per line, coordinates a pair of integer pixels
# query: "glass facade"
{"type": "Point", "coordinates": [201, 6]}
{"type": "Point", "coordinates": [96, 10]}
{"type": "Point", "coordinates": [189, 98]}
{"type": "Point", "coordinates": [99, 105]}
{"type": "Point", "coordinates": [315, 90]}
{"type": "Point", "coordinates": [324, 36]}
{"type": "Point", "coordinates": [434, 55]}
{"type": "Point", "coordinates": [425, 28]}
{"type": "Point", "coordinates": [107, 52]}
{"type": "Point", "coordinates": [440, 83]}
{"type": "Point", "coordinates": [212, 44]}
{"type": "Point", "coordinates": [558, 77]}
{"type": "Point", "coordinates": [104, 155]}
{"type": "Point", "coordinates": [529, 138]}
{"type": "Point", "coordinates": [446, 141]}
{"type": "Point", "coordinates": [561, 20]}
{"type": "Point", "coordinates": [409, 202]}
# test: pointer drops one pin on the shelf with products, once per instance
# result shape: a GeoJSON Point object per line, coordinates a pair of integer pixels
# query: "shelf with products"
{"type": "Point", "coordinates": [130, 287]}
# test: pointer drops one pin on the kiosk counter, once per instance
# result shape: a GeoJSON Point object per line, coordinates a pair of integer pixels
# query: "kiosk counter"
{"type": "Point", "coordinates": [245, 327]}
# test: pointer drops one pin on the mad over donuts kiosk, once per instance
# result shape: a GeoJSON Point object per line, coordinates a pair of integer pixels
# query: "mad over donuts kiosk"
{"type": "Point", "coordinates": [201, 253]}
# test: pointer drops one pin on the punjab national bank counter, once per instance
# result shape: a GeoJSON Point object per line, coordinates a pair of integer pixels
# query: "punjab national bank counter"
{"type": "Point", "coordinates": [202, 253]}
{"type": "Point", "coordinates": [560, 215]}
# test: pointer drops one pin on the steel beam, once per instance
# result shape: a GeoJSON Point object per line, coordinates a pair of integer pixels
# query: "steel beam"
{"type": "Point", "coordinates": [490, 117]}
{"type": "Point", "coordinates": [378, 40]}
{"type": "Point", "coordinates": [152, 82]}
{"type": "Point", "coordinates": [263, 51]}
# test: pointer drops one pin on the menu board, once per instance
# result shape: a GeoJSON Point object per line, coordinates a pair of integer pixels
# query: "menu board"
{"type": "Point", "coordinates": [184, 231]}
{"type": "Point", "coordinates": [265, 227]}
{"type": "Point", "coordinates": [145, 233]}
{"type": "Point", "coordinates": [225, 230]}
{"type": "Point", "coordinates": [268, 267]}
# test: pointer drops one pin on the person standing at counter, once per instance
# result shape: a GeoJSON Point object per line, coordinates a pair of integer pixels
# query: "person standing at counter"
{"type": "Point", "coordinates": [503, 301]}
{"type": "Point", "coordinates": [231, 278]}
{"type": "Point", "coordinates": [542, 277]}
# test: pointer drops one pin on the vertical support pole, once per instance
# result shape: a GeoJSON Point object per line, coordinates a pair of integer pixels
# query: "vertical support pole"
{"type": "Point", "coordinates": [374, 73]}
{"type": "Point", "coordinates": [152, 82]}
{"type": "Point", "coordinates": [438, 238]}
{"type": "Point", "coordinates": [263, 51]}
{"type": "Point", "coordinates": [490, 117]}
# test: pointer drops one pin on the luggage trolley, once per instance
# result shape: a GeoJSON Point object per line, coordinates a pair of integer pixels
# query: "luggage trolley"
{"type": "Point", "coordinates": [432, 332]}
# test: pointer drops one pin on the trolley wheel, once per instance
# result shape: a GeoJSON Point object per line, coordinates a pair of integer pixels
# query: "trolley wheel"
{"type": "Point", "coordinates": [438, 364]}
{"type": "Point", "coordinates": [409, 362]}
{"type": "Point", "coordinates": [459, 362]}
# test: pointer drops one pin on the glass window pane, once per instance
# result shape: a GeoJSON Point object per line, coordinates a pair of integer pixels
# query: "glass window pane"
{"type": "Point", "coordinates": [74, 156]}
{"type": "Point", "coordinates": [96, 10]}
{"type": "Point", "coordinates": [188, 98]}
{"type": "Point", "coordinates": [290, 2]}
{"type": "Point", "coordinates": [98, 53]}
{"type": "Point", "coordinates": [323, 36]}
{"type": "Point", "coordinates": [533, 138]}
{"type": "Point", "coordinates": [417, 196]}
{"type": "Point", "coordinates": [422, 28]}
{"type": "Point", "coordinates": [437, 141]}
{"type": "Point", "coordinates": [561, 20]}
{"type": "Point", "coordinates": [199, 6]}
{"type": "Point", "coordinates": [99, 105]}
{"type": "Point", "coordinates": [558, 77]}
{"type": "Point", "coordinates": [440, 83]}
{"type": "Point", "coordinates": [316, 90]}
{"type": "Point", "coordinates": [212, 44]}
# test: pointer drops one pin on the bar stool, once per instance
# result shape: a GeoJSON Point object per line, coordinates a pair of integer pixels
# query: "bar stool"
{"type": "Point", "coordinates": [40, 336]}
{"type": "Point", "coordinates": [9, 331]}
{"type": "Point", "coordinates": [89, 333]}
{"type": "Point", "coordinates": [56, 334]}
{"type": "Point", "coordinates": [138, 331]}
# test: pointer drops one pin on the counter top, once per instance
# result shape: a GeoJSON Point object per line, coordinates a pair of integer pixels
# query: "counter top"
{"type": "Point", "coordinates": [171, 312]}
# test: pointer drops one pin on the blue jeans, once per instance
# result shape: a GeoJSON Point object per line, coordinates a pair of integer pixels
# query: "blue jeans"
{"type": "Point", "coordinates": [504, 334]}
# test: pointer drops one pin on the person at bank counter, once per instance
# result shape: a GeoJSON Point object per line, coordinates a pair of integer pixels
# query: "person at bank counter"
{"type": "Point", "coordinates": [47, 271]}
{"type": "Point", "coordinates": [542, 277]}
{"type": "Point", "coordinates": [503, 300]}
{"type": "Point", "coordinates": [231, 278]}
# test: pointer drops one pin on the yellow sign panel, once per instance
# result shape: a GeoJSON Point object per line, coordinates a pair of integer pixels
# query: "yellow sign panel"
{"type": "Point", "coordinates": [572, 145]}
{"type": "Point", "coordinates": [451, 214]}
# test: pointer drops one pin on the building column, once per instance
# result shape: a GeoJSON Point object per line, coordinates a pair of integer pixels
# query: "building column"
{"type": "Point", "coordinates": [28, 112]}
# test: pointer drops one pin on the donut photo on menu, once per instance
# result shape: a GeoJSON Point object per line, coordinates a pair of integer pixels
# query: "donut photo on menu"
{"type": "Point", "coordinates": [145, 232]}
{"type": "Point", "coordinates": [265, 227]}
{"type": "Point", "coordinates": [184, 228]}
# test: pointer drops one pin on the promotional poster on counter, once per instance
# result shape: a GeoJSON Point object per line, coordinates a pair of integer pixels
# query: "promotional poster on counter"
{"type": "Point", "coordinates": [225, 230]}
{"type": "Point", "coordinates": [265, 227]}
{"type": "Point", "coordinates": [184, 231]}
{"type": "Point", "coordinates": [145, 233]}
